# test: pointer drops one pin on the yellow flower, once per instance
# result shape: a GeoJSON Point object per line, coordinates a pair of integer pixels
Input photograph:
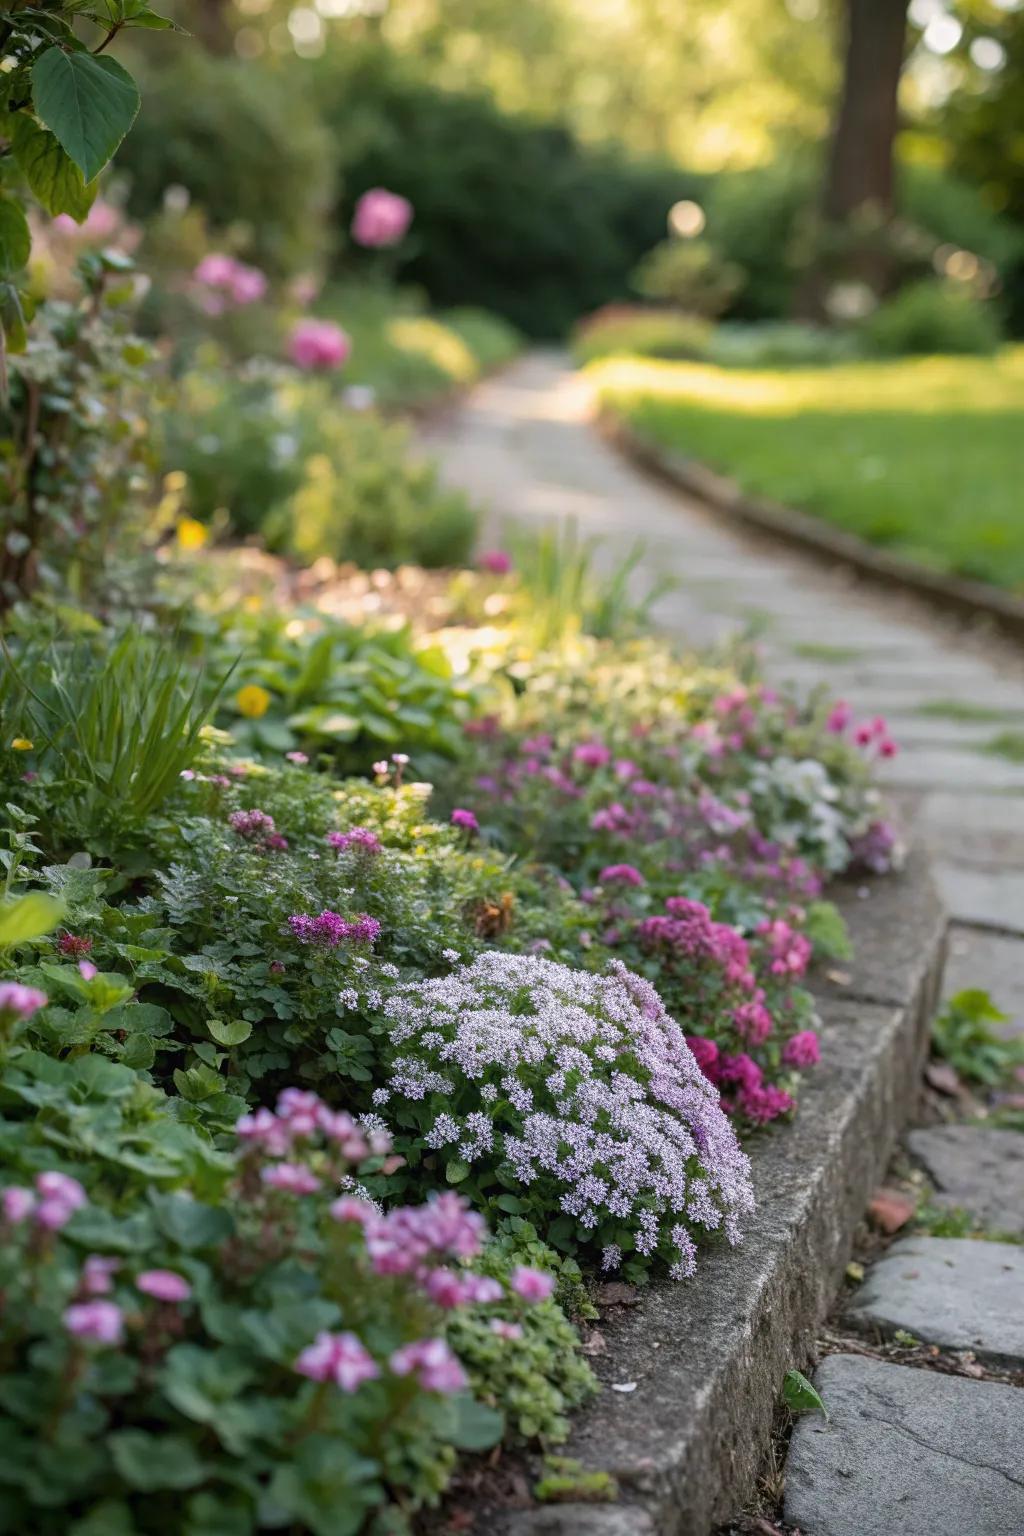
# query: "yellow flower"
{"type": "Point", "coordinates": [22, 744]}
{"type": "Point", "coordinates": [252, 701]}
{"type": "Point", "coordinates": [176, 480]}
{"type": "Point", "coordinates": [192, 534]}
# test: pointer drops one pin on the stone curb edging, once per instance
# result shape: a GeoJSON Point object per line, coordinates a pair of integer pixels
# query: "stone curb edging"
{"type": "Point", "coordinates": [708, 1357]}
{"type": "Point", "coordinates": [954, 594]}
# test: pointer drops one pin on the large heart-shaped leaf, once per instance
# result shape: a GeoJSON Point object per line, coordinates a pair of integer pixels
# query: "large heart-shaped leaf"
{"type": "Point", "coordinates": [15, 240]}
{"type": "Point", "coordinates": [88, 102]}
{"type": "Point", "coordinates": [50, 171]}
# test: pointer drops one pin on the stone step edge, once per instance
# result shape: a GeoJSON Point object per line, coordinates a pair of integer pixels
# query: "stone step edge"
{"type": "Point", "coordinates": [708, 1357]}
{"type": "Point", "coordinates": [960, 596]}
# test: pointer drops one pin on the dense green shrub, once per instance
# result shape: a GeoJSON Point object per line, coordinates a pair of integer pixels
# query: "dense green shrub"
{"type": "Point", "coordinates": [779, 344]}
{"type": "Point", "coordinates": [248, 146]}
{"type": "Point", "coordinates": [510, 214]}
{"type": "Point", "coordinates": [630, 329]}
{"type": "Point", "coordinates": [689, 274]}
{"type": "Point", "coordinates": [932, 317]}
{"type": "Point", "coordinates": [283, 455]}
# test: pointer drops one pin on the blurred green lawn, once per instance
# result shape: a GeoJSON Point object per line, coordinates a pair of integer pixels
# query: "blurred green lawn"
{"type": "Point", "coordinates": [922, 455]}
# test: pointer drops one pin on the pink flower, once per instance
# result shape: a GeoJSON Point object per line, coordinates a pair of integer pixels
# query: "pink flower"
{"type": "Point", "coordinates": [436, 1368]}
{"type": "Point", "coordinates": [337, 1357]}
{"type": "Point", "coordinates": [87, 970]}
{"type": "Point", "coordinates": [753, 1021]}
{"type": "Point", "coordinates": [60, 1197]}
{"type": "Point", "coordinates": [482, 1289]}
{"type": "Point", "coordinates": [532, 1284]}
{"type": "Point", "coordinates": [164, 1284]}
{"type": "Point", "coordinates": [496, 562]}
{"type": "Point", "coordinates": [592, 754]}
{"type": "Point", "coordinates": [351, 1208]}
{"type": "Point", "coordinates": [293, 1178]}
{"type": "Point", "coordinates": [465, 819]}
{"type": "Point", "coordinates": [506, 1330]}
{"type": "Point", "coordinates": [706, 1054]}
{"type": "Point", "coordinates": [740, 1069]}
{"type": "Point", "coordinates": [231, 281]}
{"type": "Point", "coordinates": [445, 1288]}
{"type": "Point", "coordinates": [381, 218]}
{"type": "Point", "coordinates": [100, 1321]}
{"type": "Point", "coordinates": [360, 838]}
{"type": "Point", "coordinates": [621, 874]}
{"type": "Point", "coordinates": [16, 1204]}
{"type": "Point", "coordinates": [763, 1102]}
{"type": "Point", "coordinates": [803, 1050]}
{"type": "Point", "coordinates": [97, 1274]}
{"type": "Point", "coordinates": [19, 1001]}
{"type": "Point", "coordinates": [317, 346]}
{"type": "Point", "coordinates": [296, 757]}
{"type": "Point", "coordinates": [71, 944]}
{"type": "Point", "coordinates": [839, 717]}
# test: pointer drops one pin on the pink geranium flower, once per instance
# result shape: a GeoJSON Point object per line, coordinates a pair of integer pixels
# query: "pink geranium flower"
{"type": "Point", "coordinates": [318, 346]}
{"type": "Point", "coordinates": [102, 1322]}
{"type": "Point", "coordinates": [163, 1284]}
{"type": "Point", "coordinates": [337, 1357]}
{"type": "Point", "coordinates": [532, 1284]}
{"type": "Point", "coordinates": [381, 218]}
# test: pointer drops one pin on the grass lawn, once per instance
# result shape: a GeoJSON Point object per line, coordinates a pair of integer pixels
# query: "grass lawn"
{"type": "Point", "coordinates": [923, 455]}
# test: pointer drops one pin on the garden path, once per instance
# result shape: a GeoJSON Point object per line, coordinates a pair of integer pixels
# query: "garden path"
{"type": "Point", "coordinates": [524, 447]}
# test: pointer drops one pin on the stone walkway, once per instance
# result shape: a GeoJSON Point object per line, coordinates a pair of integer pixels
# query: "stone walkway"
{"type": "Point", "coordinates": [904, 1449]}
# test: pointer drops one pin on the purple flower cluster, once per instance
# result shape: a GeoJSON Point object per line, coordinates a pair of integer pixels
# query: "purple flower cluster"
{"type": "Point", "coordinates": [329, 929]}
{"type": "Point", "coordinates": [356, 839]}
{"type": "Point", "coordinates": [258, 828]}
{"type": "Point", "coordinates": [50, 1205]}
{"type": "Point", "coordinates": [584, 1088]}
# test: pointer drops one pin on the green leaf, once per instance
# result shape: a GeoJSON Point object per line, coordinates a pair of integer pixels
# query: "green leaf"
{"type": "Point", "coordinates": [149, 1462]}
{"type": "Point", "coordinates": [88, 102]}
{"type": "Point", "coordinates": [53, 176]}
{"type": "Point", "coordinates": [456, 1171]}
{"type": "Point", "coordinates": [476, 1426]}
{"type": "Point", "coordinates": [30, 917]}
{"type": "Point", "coordinates": [197, 1083]}
{"type": "Point", "coordinates": [15, 240]}
{"type": "Point", "coordinates": [189, 1223]}
{"type": "Point", "coordinates": [229, 1034]}
{"type": "Point", "coordinates": [800, 1396]}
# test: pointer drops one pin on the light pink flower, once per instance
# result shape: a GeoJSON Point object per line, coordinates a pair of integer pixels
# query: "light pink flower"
{"type": "Point", "coordinates": [60, 1197]}
{"type": "Point", "coordinates": [381, 218]}
{"type": "Point", "coordinates": [164, 1284]}
{"type": "Point", "coordinates": [506, 1330]}
{"type": "Point", "coordinates": [337, 1357]}
{"type": "Point", "coordinates": [293, 1178]}
{"type": "Point", "coordinates": [97, 1274]}
{"type": "Point", "coordinates": [20, 1001]}
{"type": "Point", "coordinates": [436, 1368]}
{"type": "Point", "coordinates": [87, 970]}
{"type": "Point", "coordinates": [496, 562]}
{"type": "Point", "coordinates": [100, 1321]}
{"type": "Point", "coordinates": [532, 1284]}
{"type": "Point", "coordinates": [17, 1204]}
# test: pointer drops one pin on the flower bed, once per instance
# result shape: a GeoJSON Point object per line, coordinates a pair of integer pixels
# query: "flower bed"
{"type": "Point", "coordinates": [296, 1045]}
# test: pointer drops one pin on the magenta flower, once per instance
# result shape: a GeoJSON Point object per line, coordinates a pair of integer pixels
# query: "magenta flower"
{"type": "Point", "coordinates": [465, 819]}
{"type": "Point", "coordinates": [763, 1102]}
{"type": "Point", "coordinates": [293, 1178]}
{"type": "Point", "coordinates": [532, 1284]}
{"type": "Point", "coordinates": [71, 944]}
{"type": "Point", "coordinates": [839, 717]}
{"type": "Point", "coordinates": [337, 1357]}
{"type": "Point", "coordinates": [496, 562]}
{"type": "Point", "coordinates": [381, 218]}
{"type": "Point", "coordinates": [163, 1284]}
{"type": "Point", "coordinates": [20, 1002]}
{"type": "Point", "coordinates": [592, 754]}
{"type": "Point", "coordinates": [102, 1322]}
{"type": "Point", "coordinates": [706, 1054]}
{"type": "Point", "coordinates": [228, 282]}
{"type": "Point", "coordinates": [803, 1050]}
{"type": "Point", "coordinates": [435, 1367]}
{"type": "Point", "coordinates": [505, 1330]}
{"type": "Point", "coordinates": [359, 838]}
{"type": "Point", "coordinates": [254, 825]}
{"type": "Point", "coordinates": [318, 346]}
{"type": "Point", "coordinates": [621, 874]}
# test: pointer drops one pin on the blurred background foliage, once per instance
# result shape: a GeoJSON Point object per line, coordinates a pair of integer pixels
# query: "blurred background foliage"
{"type": "Point", "coordinates": [542, 143]}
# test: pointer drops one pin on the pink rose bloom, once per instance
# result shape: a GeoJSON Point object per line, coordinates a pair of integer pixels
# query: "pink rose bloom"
{"type": "Point", "coordinates": [381, 218]}
{"type": "Point", "coordinates": [337, 1357]}
{"type": "Point", "coordinates": [804, 1050]}
{"type": "Point", "coordinates": [436, 1368]}
{"type": "Point", "coordinates": [164, 1284]}
{"type": "Point", "coordinates": [20, 1001]}
{"type": "Point", "coordinates": [495, 562]}
{"type": "Point", "coordinates": [317, 346]}
{"type": "Point", "coordinates": [532, 1284]}
{"type": "Point", "coordinates": [100, 1321]}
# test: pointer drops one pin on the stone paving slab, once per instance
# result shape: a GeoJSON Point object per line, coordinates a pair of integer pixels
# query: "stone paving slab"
{"type": "Point", "coordinates": [958, 1293]}
{"type": "Point", "coordinates": [984, 897]}
{"type": "Point", "coordinates": [978, 1168]}
{"type": "Point", "coordinates": [907, 1453]}
{"type": "Point", "coordinates": [994, 962]}
{"type": "Point", "coordinates": [973, 829]}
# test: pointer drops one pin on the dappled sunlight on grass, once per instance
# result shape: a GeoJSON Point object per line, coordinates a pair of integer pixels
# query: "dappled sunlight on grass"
{"type": "Point", "coordinates": [923, 455]}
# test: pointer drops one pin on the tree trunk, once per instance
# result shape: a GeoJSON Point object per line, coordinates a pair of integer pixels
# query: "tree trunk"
{"type": "Point", "coordinates": [859, 193]}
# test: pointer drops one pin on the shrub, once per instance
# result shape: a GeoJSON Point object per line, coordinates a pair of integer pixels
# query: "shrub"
{"type": "Point", "coordinates": [932, 317]}
{"type": "Point", "coordinates": [781, 344]}
{"type": "Point", "coordinates": [511, 215]}
{"type": "Point", "coordinates": [689, 274]}
{"type": "Point", "coordinates": [570, 1099]}
{"type": "Point", "coordinates": [631, 330]}
{"type": "Point", "coordinates": [249, 148]}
